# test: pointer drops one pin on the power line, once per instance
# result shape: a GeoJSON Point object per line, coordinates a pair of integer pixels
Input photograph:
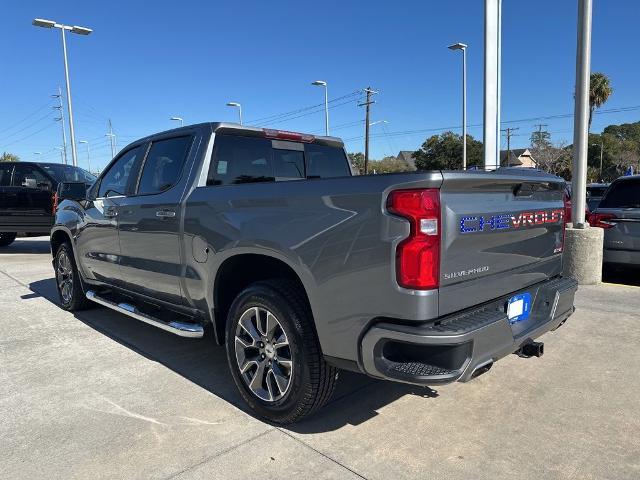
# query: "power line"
{"type": "Point", "coordinates": [32, 114]}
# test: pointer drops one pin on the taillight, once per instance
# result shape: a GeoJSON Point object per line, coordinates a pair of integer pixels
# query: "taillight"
{"type": "Point", "coordinates": [418, 256]}
{"type": "Point", "coordinates": [567, 208]}
{"type": "Point", "coordinates": [286, 135]}
{"type": "Point", "coordinates": [602, 220]}
{"type": "Point", "coordinates": [54, 203]}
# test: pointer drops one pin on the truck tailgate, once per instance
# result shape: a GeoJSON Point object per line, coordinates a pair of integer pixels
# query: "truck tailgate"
{"type": "Point", "coordinates": [501, 233]}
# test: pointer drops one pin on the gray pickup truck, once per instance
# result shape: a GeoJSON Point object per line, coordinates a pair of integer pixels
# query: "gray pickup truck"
{"type": "Point", "coordinates": [265, 239]}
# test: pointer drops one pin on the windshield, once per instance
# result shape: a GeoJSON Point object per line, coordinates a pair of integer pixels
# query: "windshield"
{"type": "Point", "coordinates": [68, 173]}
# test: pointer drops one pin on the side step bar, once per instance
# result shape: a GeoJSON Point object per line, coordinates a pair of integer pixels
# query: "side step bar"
{"type": "Point", "coordinates": [182, 329]}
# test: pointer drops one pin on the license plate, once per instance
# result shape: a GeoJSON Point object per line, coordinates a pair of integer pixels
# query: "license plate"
{"type": "Point", "coordinates": [519, 308]}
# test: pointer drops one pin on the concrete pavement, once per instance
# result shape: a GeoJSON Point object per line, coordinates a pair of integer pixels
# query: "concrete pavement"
{"type": "Point", "coordinates": [99, 395]}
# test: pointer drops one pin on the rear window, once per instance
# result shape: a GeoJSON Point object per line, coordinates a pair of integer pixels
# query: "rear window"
{"type": "Point", "coordinates": [68, 173]}
{"type": "Point", "coordinates": [622, 194]}
{"type": "Point", "coordinates": [238, 159]}
{"type": "Point", "coordinates": [5, 174]}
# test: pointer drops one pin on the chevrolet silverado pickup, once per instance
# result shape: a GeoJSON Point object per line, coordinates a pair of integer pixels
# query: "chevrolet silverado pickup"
{"type": "Point", "coordinates": [266, 241]}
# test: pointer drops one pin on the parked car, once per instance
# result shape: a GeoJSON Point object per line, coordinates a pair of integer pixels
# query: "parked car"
{"type": "Point", "coordinates": [619, 215]}
{"type": "Point", "coordinates": [595, 192]}
{"type": "Point", "coordinates": [302, 269]}
{"type": "Point", "coordinates": [27, 191]}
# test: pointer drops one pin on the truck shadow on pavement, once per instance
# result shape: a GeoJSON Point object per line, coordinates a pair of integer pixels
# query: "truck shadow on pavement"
{"type": "Point", "coordinates": [22, 245]}
{"type": "Point", "coordinates": [356, 400]}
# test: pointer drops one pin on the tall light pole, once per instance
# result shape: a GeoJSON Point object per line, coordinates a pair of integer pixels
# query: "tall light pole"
{"type": "Point", "coordinates": [581, 114]}
{"type": "Point", "coordinates": [601, 145]}
{"type": "Point", "coordinates": [178, 119]}
{"type": "Point", "coordinates": [322, 83]}
{"type": "Point", "coordinates": [39, 22]}
{"type": "Point", "coordinates": [88, 153]}
{"type": "Point", "coordinates": [238, 106]}
{"type": "Point", "coordinates": [463, 48]}
{"type": "Point", "coordinates": [491, 133]}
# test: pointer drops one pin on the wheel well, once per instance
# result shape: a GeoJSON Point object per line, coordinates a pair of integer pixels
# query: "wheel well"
{"type": "Point", "coordinates": [58, 238]}
{"type": "Point", "coordinates": [236, 274]}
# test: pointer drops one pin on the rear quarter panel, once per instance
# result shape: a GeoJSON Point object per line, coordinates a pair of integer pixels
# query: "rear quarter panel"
{"type": "Point", "coordinates": [334, 233]}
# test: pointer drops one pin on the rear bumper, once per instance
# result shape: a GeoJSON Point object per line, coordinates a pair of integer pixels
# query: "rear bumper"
{"type": "Point", "coordinates": [621, 257]}
{"type": "Point", "coordinates": [459, 346]}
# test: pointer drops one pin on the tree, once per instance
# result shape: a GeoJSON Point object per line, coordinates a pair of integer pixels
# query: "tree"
{"type": "Point", "coordinates": [555, 159]}
{"type": "Point", "coordinates": [444, 152]}
{"type": "Point", "coordinates": [9, 157]}
{"type": "Point", "coordinates": [357, 161]}
{"type": "Point", "coordinates": [599, 92]}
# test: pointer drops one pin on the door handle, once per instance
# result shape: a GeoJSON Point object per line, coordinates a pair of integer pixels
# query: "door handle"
{"type": "Point", "coordinates": [165, 213]}
{"type": "Point", "coordinates": [110, 212]}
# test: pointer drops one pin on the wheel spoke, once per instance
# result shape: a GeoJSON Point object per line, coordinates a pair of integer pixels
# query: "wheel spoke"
{"type": "Point", "coordinates": [281, 341]}
{"type": "Point", "coordinates": [258, 378]}
{"type": "Point", "coordinates": [247, 325]}
{"type": "Point", "coordinates": [272, 324]}
{"type": "Point", "coordinates": [286, 363]}
{"type": "Point", "coordinates": [281, 379]}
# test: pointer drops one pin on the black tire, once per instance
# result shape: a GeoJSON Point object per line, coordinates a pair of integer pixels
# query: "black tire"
{"type": "Point", "coordinates": [311, 379]}
{"type": "Point", "coordinates": [7, 238]}
{"type": "Point", "coordinates": [72, 297]}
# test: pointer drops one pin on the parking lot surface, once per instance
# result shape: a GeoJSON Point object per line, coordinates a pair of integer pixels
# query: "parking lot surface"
{"type": "Point", "coordinates": [99, 395]}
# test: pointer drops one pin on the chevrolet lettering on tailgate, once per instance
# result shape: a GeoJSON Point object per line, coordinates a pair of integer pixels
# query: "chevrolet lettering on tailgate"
{"type": "Point", "coordinates": [480, 223]}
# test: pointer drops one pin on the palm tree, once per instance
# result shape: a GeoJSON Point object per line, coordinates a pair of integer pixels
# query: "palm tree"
{"type": "Point", "coordinates": [599, 92]}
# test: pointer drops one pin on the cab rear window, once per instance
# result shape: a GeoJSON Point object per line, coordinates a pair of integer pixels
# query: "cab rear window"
{"type": "Point", "coordinates": [238, 159]}
{"type": "Point", "coordinates": [622, 194]}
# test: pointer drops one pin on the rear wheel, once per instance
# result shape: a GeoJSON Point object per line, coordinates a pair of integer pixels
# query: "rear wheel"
{"type": "Point", "coordinates": [72, 297]}
{"type": "Point", "coordinates": [274, 354]}
{"type": "Point", "coordinates": [7, 238]}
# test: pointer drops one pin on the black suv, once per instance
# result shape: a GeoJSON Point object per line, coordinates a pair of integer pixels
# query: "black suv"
{"type": "Point", "coordinates": [27, 191]}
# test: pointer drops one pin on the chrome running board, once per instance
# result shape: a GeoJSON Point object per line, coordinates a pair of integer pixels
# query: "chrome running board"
{"type": "Point", "coordinates": [182, 329]}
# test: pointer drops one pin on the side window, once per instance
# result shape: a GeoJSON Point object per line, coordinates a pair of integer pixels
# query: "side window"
{"type": "Point", "coordinates": [326, 162]}
{"type": "Point", "coordinates": [5, 174]}
{"type": "Point", "coordinates": [164, 164]}
{"type": "Point", "coordinates": [115, 180]}
{"type": "Point", "coordinates": [30, 176]}
{"type": "Point", "coordinates": [241, 160]}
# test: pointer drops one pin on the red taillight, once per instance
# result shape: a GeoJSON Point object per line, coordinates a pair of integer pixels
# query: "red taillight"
{"type": "Point", "coordinates": [418, 256]}
{"type": "Point", "coordinates": [602, 220]}
{"type": "Point", "coordinates": [285, 135]}
{"type": "Point", "coordinates": [54, 203]}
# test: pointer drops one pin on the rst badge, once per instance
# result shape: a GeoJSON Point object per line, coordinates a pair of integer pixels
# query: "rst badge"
{"type": "Point", "coordinates": [503, 221]}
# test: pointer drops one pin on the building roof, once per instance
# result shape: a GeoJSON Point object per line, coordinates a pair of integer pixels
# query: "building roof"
{"type": "Point", "coordinates": [406, 156]}
{"type": "Point", "coordinates": [514, 159]}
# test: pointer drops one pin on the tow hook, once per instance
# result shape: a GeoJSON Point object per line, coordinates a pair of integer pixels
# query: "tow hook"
{"type": "Point", "coordinates": [532, 349]}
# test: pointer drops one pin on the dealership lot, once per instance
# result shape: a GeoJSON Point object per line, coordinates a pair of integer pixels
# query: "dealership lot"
{"type": "Point", "coordinates": [99, 395]}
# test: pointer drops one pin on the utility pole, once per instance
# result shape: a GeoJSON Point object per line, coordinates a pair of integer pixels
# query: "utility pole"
{"type": "Point", "coordinates": [367, 106]}
{"type": "Point", "coordinates": [61, 120]}
{"type": "Point", "coordinates": [112, 140]}
{"type": "Point", "coordinates": [509, 131]}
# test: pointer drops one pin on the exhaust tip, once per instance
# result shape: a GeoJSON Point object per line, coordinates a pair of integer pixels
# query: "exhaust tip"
{"type": "Point", "coordinates": [481, 369]}
{"type": "Point", "coordinates": [532, 349]}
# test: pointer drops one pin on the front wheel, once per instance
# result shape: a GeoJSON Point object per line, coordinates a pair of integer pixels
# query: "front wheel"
{"type": "Point", "coordinates": [72, 297]}
{"type": "Point", "coordinates": [7, 238]}
{"type": "Point", "coordinates": [274, 354]}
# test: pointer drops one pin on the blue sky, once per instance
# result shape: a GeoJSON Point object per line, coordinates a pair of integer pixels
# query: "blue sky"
{"type": "Point", "coordinates": [143, 65]}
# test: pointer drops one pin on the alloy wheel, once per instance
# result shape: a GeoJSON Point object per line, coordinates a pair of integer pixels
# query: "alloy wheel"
{"type": "Point", "coordinates": [263, 354]}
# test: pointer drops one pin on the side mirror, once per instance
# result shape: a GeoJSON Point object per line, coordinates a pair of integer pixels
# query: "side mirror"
{"type": "Point", "coordinates": [72, 191]}
{"type": "Point", "coordinates": [30, 182]}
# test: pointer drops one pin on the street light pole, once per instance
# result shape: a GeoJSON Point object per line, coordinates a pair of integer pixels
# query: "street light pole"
{"type": "Point", "coordinates": [39, 22]}
{"type": "Point", "coordinates": [88, 153]}
{"type": "Point", "coordinates": [239, 107]}
{"type": "Point", "coordinates": [463, 47]}
{"type": "Point", "coordinates": [581, 114]}
{"type": "Point", "coordinates": [178, 119]}
{"type": "Point", "coordinates": [322, 83]}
